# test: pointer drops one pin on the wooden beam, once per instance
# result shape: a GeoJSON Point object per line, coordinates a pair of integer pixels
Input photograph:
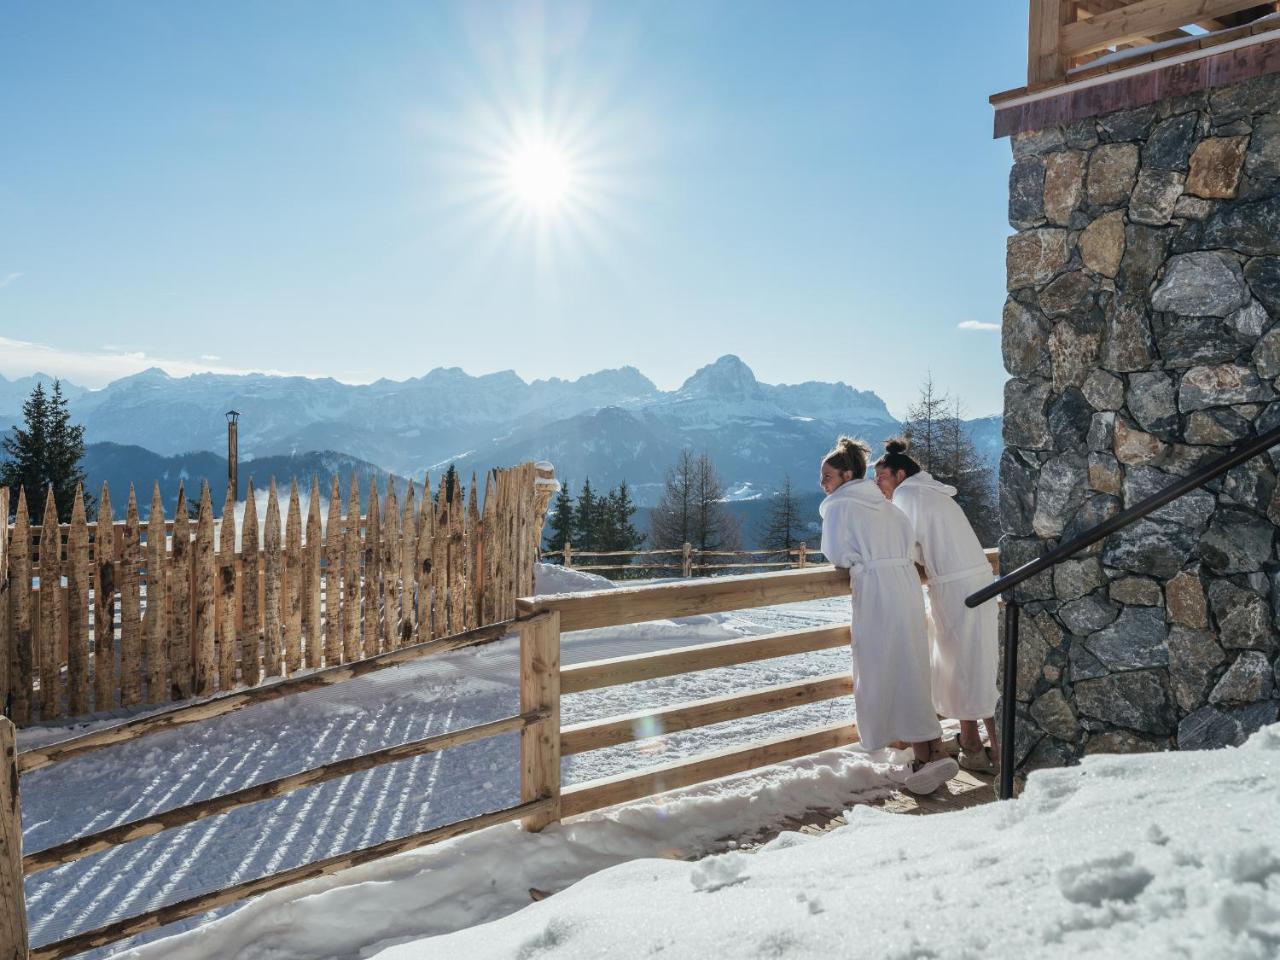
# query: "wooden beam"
{"type": "Point", "coordinates": [704, 656]}
{"type": "Point", "coordinates": [154, 919]}
{"type": "Point", "coordinates": [149, 826]}
{"type": "Point", "coordinates": [540, 742]}
{"type": "Point", "coordinates": [606, 608]}
{"type": "Point", "coordinates": [595, 734]}
{"type": "Point", "coordinates": [606, 792]}
{"type": "Point", "coordinates": [1138, 20]}
{"type": "Point", "coordinates": [40, 757]}
{"type": "Point", "coordinates": [1045, 61]}
{"type": "Point", "coordinates": [13, 904]}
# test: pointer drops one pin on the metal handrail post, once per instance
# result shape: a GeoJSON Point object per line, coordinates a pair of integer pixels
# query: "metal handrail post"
{"type": "Point", "coordinates": [1010, 693]}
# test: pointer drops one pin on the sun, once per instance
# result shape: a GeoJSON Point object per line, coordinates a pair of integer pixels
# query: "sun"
{"type": "Point", "coordinates": [539, 175]}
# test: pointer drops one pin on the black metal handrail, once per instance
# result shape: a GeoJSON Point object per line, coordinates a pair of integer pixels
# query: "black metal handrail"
{"type": "Point", "coordinates": [1006, 583]}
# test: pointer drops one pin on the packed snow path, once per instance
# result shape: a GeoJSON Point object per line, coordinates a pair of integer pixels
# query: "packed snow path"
{"type": "Point", "coordinates": [171, 769]}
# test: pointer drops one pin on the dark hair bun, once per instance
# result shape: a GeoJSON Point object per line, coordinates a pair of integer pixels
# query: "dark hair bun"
{"type": "Point", "coordinates": [896, 445]}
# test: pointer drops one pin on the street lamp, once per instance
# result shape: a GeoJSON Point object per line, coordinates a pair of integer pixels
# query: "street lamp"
{"type": "Point", "coordinates": [233, 419]}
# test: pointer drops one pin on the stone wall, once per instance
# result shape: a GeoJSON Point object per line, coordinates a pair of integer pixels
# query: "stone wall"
{"type": "Point", "coordinates": [1141, 339]}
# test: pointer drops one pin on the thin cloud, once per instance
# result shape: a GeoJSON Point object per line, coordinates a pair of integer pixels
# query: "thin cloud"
{"type": "Point", "coordinates": [977, 325]}
{"type": "Point", "coordinates": [21, 358]}
{"type": "Point", "coordinates": [9, 279]}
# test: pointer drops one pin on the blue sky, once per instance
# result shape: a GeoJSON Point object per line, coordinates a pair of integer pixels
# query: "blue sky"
{"type": "Point", "coordinates": [325, 188]}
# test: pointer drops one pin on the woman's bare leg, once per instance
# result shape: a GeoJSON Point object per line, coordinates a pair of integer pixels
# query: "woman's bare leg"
{"type": "Point", "coordinates": [926, 751]}
{"type": "Point", "coordinates": [990, 724]}
{"type": "Point", "coordinates": [970, 738]}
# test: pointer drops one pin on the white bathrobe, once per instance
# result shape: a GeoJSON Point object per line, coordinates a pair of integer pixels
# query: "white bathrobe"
{"type": "Point", "coordinates": [862, 532]}
{"type": "Point", "coordinates": [964, 640]}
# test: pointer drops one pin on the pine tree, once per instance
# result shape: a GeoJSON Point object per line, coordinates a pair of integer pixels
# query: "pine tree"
{"type": "Point", "coordinates": [713, 527]}
{"type": "Point", "coordinates": [47, 452]}
{"type": "Point", "coordinates": [618, 532]}
{"type": "Point", "coordinates": [586, 519]}
{"type": "Point", "coordinates": [671, 521]}
{"type": "Point", "coordinates": [781, 531]}
{"type": "Point", "coordinates": [562, 531]}
{"type": "Point", "coordinates": [450, 483]}
{"type": "Point", "coordinates": [943, 447]}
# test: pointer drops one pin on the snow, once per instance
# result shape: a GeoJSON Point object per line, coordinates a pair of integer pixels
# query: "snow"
{"type": "Point", "coordinates": [1173, 854]}
{"type": "Point", "coordinates": [266, 741]}
{"type": "Point", "coordinates": [1148, 855]}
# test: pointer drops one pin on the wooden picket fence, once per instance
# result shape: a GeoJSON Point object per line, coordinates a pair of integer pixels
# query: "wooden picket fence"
{"type": "Point", "coordinates": [205, 605]}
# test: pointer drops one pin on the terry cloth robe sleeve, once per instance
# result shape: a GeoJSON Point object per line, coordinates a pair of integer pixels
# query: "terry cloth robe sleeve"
{"type": "Point", "coordinates": [964, 645]}
{"type": "Point", "coordinates": [863, 532]}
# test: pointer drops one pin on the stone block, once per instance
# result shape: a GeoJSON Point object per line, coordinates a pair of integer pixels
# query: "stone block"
{"type": "Point", "coordinates": [1134, 447]}
{"type": "Point", "coordinates": [1135, 640]}
{"type": "Point", "coordinates": [1251, 228]}
{"type": "Point", "coordinates": [1063, 185]}
{"type": "Point", "coordinates": [1026, 192]}
{"type": "Point", "coordinates": [1205, 284]}
{"type": "Point", "coordinates": [1193, 509]}
{"type": "Point", "coordinates": [1127, 344]}
{"type": "Point", "coordinates": [1208, 729]}
{"type": "Point", "coordinates": [1054, 715]}
{"type": "Point", "coordinates": [1218, 427]}
{"type": "Point", "coordinates": [1103, 390]}
{"type": "Point", "coordinates": [1170, 144]}
{"type": "Point", "coordinates": [1061, 486]}
{"type": "Point", "coordinates": [1072, 354]}
{"type": "Point", "coordinates": [1136, 591]}
{"type": "Point", "coordinates": [1034, 257]}
{"type": "Point", "coordinates": [1150, 547]}
{"type": "Point", "coordinates": [1215, 167]}
{"type": "Point", "coordinates": [1102, 243]}
{"type": "Point", "coordinates": [1247, 680]}
{"type": "Point", "coordinates": [1237, 541]}
{"type": "Point", "coordinates": [1185, 602]}
{"type": "Point", "coordinates": [1024, 340]}
{"type": "Point", "coordinates": [1152, 402]}
{"type": "Point", "coordinates": [1155, 196]}
{"type": "Point", "coordinates": [1221, 385]}
{"type": "Point", "coordinates": [1145, 248]}
{"type": "Point", "coordinates": [1104, 474]}
{"type": "Point", "coordinates": [1138, 700]}
{"type": "Point", "coordinates": [1193, 341]}
{"type": "Point", "coordinates": [1113, 168]}
{"type": "Point", "coordinates": [1263, 277]}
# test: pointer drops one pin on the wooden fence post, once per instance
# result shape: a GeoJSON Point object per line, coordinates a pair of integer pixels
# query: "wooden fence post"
{"type": "Point", "coordinates": [686, 563]}
{"type": "Point", "coordinates": [804, 554]}
{"type": "Point", "coordinates": [13, 904]}
{"type": "Point", "coordinates": [540, 742]}
{"type": "Point", "coordinates": [568, 555]}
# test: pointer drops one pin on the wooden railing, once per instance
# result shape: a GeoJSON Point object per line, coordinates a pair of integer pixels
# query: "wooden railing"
{"type": "Point", "coordinates": [688, 560]}
{"type": "Point", "coordinates": [543, 741]}
{"type": "Point", "coordinates": [192, 608]}
{"type": "Point", "coordinates": [14, 865]}
{"type": "Point", "coordinates": [1064, 35]}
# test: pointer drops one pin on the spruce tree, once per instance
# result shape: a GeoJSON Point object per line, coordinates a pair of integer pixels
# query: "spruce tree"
{"type": "Point", "coordinates": [671, 521]}
{"type": "Point", "coordinates": [619, 532]}
{"type": "Point", "coordinates": [562, 531]}
{"type": "Point", "coordinates": [586, 519]}
{"type": "Point", "coordinates": [45, 452]}
{"type": "Point", "coordinates": [780, 532]}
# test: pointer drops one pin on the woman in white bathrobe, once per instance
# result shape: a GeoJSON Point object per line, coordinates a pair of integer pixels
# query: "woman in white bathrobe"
{"type": "Point", "coordinates": [862, 532]}
{"type": "Point", "coordinates": [964, 644]}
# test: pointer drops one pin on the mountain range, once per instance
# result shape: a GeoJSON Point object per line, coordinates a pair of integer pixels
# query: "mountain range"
{"type": "Point", "coordinates": [609, 426]}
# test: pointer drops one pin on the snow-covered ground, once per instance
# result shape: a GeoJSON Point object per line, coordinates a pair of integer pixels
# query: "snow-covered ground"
{"type": "Point", "coordinates": [1155, 855]}
{"type": "Point", "coordinates": [1160, 855]}
{"type": "Point", "coordinates": [462, 689]}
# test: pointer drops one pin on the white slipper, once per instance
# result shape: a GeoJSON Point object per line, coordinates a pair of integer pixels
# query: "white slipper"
{"type": "Point", "coordinates": [931, 776]}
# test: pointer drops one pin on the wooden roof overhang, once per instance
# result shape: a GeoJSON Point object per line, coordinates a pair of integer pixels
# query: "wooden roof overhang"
{"type": "Point", "coordinates": [1090, 57]}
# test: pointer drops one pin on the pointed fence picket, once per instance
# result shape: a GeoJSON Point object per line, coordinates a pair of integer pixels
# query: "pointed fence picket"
{"type": "Point", "coordinates": [118, 613]}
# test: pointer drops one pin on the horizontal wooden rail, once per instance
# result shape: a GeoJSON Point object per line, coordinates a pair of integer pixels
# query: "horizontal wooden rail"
{"type": "Point", "coordinates": [80, 847]}
{"type": "Point", "coordinates": [596, 734]}
{"type": "Point", "coordinates": [607, 608]}
{"type": "Point", "coordinates": [596, 674]}
{"type": "Point", "coordinates": [1137, 21]}
{"type": "Point", "coordinates": [39, 757]}
{"type": "Point", "coordinates": [597, 794]}
{"type": "Point", "coordinates": [205, 902]}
